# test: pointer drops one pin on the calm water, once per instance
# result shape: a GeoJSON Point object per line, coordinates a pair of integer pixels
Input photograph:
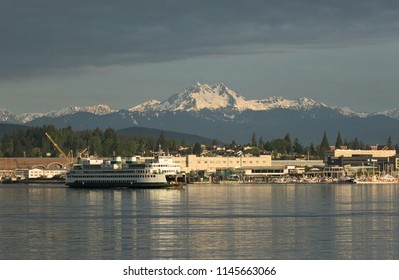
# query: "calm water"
{"type": "Point", "coordinates": [201, 222]}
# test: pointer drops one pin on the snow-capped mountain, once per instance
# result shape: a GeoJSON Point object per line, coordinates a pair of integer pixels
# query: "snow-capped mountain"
{"type": "Point", "coordinates": [394, 113]}
{"type": "Point", "coordinates": [218, 96]}
{"type": "Point", "coordinates": [7, 116]}
{"type": "Point", "coordinates": [346, 111]}
{"type": "Point", "coordinates": [217, 112]}
{"type": "Point", "coordinates": [204, 96]}
{"type": "Point", "coordinates": [146, 106]}
{"type": "Point", "coordinates": [101, 109]}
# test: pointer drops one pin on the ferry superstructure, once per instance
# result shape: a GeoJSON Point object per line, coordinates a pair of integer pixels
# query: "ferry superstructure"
{"type": "Point", "coordinates": [131, 172]}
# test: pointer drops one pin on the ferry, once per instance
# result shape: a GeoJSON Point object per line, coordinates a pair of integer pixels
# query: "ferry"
{"type": "Point", "coordinates": [131, 172]}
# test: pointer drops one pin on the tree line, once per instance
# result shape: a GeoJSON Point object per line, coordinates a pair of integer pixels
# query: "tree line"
{"type": "Point", "coordinates": [34, 143]}
{"type": "Point", "coordinates": [287, 148]}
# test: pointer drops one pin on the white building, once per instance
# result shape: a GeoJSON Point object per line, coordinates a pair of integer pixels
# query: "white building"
{"type": "Point", "coordinates": [42, 173]}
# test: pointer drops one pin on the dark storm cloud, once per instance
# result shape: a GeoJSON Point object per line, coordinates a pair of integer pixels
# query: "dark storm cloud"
{"type": "Point", "coordinates": [46, 35]}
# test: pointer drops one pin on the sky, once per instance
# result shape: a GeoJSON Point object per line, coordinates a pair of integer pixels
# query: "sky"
{"type": "Point", "coordinates": [59, 53]}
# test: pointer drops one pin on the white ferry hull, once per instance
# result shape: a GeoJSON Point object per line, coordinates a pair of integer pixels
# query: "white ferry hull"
{"type": "Point", "coordinates": [106, 185]}
{"type": "Point", "coordinates": [155, 181]}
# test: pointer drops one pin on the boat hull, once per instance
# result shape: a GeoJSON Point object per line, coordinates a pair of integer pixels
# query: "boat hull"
{"type": "Point", "coordinates": [375, 182]}
{"type": "Point", "coordinates": [105, 185]}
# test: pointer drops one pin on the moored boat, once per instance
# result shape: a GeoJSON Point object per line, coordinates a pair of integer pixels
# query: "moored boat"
{"type": "Point", "coordinates": [385, 179]}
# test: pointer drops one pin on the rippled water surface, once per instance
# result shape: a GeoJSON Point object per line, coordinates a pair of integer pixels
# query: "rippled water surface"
{"type": "Point", "coordinates": [201, 222]}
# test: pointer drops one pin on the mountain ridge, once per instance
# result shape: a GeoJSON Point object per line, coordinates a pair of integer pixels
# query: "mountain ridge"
{"type": "Point", "coordinates": [196, 98]}
{"type": "Point", "coordinates": [217, 112]}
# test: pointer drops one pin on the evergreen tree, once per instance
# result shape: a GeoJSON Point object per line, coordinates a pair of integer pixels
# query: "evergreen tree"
{"type": "Point", "coordinates": [356, 144]}
{"type": "Point", "coordinates": [324, 146]}
{"type": "Point", "coordinates": [287, 139]}
{"type": "Point", "coordinates": [253, 141]}
{"type": "Point", "coordinates": [338, 142]}
{"type": "Point", "coordinates": [95, 145]}
{"type": "Point", "coordinates": [261, 143]}
{"type": "Point", "coordinates": [7, 145]}
{"type": "Point", "coordinates": [297, 147]}
{"type": "Point", "coordinates": [215, 142]}
{"type": "Point", "coordinates": [312, 150]}
{"type": "Point", "coordinates": [268, 146]}
{"type": "Point", "coordinates": [233, 144]}
{"type": "Point", "coordinates": [162, 142]}
{"type": "Point", "coordinates": [18, 150]}
{"type": "Point", "coordinates": [197, 149]}
{"type": "Point", "coordinates": [183, 143]}
{"type": "Point", "coordinates": [389, 143]}
{"type": "Point", "coordinates": [35, 152]}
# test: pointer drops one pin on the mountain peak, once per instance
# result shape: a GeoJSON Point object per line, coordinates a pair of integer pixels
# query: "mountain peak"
{"type": "Point", "coordinates": [218, 96]}
{"type": "Point", "coordinates": [101, 109]}
{"type": "Point", "coordinates": [7, 116]}
{"type": "Point", "coordinates": [203, 96]}
{"type": "Point", "coordinates": [146, 106]}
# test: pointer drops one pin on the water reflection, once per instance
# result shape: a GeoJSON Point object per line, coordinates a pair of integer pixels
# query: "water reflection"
{"type": "Point", "coordinates": [201, 222]}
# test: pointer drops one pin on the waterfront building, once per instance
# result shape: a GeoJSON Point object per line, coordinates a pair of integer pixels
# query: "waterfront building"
{"type": "Point", "coordinates": [379, 159]}
{"type": "Point", "coordinates": [212, 164]}
{"type": "Point", "coordinates": [21, 166]}
{"type": "Point", "coordinates": [43, 173]}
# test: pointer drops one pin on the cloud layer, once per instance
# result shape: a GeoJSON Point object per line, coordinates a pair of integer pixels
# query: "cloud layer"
{"type": "Point", "coordinates": [42, 36]}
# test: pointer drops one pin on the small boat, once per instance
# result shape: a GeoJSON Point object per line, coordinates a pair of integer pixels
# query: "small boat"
{"type": "Point", "coordinates": [346, 179]}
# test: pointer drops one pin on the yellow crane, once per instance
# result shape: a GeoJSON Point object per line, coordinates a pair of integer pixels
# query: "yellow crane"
{"type": "Point", "coordinates": [80, 154]}
{"type": "Point", "coordinates": [58, 148]}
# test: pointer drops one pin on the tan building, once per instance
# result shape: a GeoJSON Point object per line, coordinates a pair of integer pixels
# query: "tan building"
{"type": "Point", "coordinates": [211, 164]}
{"type": "Point", "coordinates": [372, 153]}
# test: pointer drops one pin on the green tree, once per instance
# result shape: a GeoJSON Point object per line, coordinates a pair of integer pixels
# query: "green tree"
{"type": "Point", "coordinates": [324, 146]}
{"type": "Point", "coordinates": [197, 149]}
{"type": "Point", "coordinates": [338, 142]}
{"type": "Point", "coordinates": [261, 143]}
{"type": "Point", "coordinates": [297, 147]}
{"type": "Point", "coordinates": [8, 145]}
{"type": "Point", "coordinates": [233, 145]}
{"type": "Point", "coordinates": [131, 148]}
{"type": "Point", "coordinates": [278, 145]}
{"type": "Point", "coordinates": [255, 151]}
{"type": "Point", "coordinates": [389, 143]}
{"type": "Point", "coordinates": [356, 145]}
{"type": "Point", "coordinates": [18, 149]}
{"type": "Point", "coordinates": [161, 142]}
{"type": "Point", "coordinates": [312, 150]}
{"type": "Point", "coordinates": [287, 139]}
{"type": "Point", "coordinates": [215, 142]}
{"type": "Point", "coordinates": [36, 152]}
{"type": "Point", "coordinates": [253, 140]}
{"type": "Point", "coordinates": [95, 145]}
